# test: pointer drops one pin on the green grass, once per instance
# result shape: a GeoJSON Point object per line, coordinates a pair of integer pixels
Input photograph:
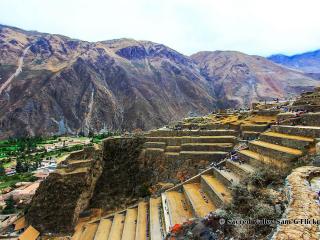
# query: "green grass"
{"type": "Point", "coordinates": [10, 181]}
{"type": "Point", "coordinates": [8, 164]}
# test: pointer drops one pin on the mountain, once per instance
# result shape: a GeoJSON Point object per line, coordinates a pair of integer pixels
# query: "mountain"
{"type": "Point", "coordinates": [243, 78]}
{"type": "Point", "coordinates": [308, 62]}
{"type": "Point", "coordinates": [52, 84]}
{"type": "Point", "coordinates": [72, 86]}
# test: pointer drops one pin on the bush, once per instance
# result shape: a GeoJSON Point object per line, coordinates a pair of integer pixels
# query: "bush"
{"type": "Point", "coordinates": [266, 176]}
{"type": "Point", "coordinates": [9, 208]}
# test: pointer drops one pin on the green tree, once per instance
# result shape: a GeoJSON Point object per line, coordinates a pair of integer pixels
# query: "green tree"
{"type": "Point", "coordinates": [19, 166]}
{"type": "Point", "coordinates": [9, 208]}
{"type": "Point", "coordinates": [2, 170]}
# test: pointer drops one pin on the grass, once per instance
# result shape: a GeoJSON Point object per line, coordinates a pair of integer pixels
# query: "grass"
{"type": "Point", "coordinates": [8, 164]}
{"type": "Point", "coordinates": [10, 181]}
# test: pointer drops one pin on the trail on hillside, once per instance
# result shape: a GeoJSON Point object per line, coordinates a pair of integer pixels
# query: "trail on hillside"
{"type": "Point", "coordinates": [17, 72]}
{"type": "Point", "coordinates": [88, 116]}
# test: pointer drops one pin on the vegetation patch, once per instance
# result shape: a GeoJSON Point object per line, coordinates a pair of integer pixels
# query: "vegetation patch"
{"type": "Point", "coordinates": [10, 181]}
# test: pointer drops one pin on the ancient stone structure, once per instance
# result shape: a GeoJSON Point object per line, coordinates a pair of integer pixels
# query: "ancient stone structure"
{"type": "Point", "coordinates": [302, 205]}
{"type": "Point", "coordinates": [309, 101]}
{"type": "Point", "coordinates": [198, 196]}
{"type": "Point", "coordinates": [65, 193]}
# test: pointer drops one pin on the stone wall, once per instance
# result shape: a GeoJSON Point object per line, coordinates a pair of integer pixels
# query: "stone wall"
{"type": "Point", "coordinates": [306, 119]}
{"type": "Point", "coordinates": [302, 205]}
{"type": "Point", "coordinates": [60, 198]}
{"type": "Point", "coordinates": [125, 176]}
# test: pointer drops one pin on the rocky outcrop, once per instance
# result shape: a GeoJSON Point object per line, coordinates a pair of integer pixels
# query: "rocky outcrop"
{"type": "Point", "coordinates": [302, 206]}
{"type": "Point", "coordinates": [58, 201]}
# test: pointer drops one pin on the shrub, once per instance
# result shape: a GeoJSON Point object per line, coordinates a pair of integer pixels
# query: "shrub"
{"type": "Point", "coordinates": [9, 208]}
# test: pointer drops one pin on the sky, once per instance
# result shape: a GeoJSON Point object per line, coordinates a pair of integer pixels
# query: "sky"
{"type": "Point", "coordinates": [261, 27]}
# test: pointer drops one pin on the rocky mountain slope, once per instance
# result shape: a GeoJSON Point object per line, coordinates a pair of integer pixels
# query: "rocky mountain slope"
{"type": "Point", "coordinates": [242, 78]}
{"type": "Point", "coordinates": [52, 84]}
{"type": "Point", "coordinates": [308, 62]}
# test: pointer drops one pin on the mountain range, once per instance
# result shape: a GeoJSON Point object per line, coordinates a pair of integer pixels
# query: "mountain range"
{"type": "Point", "coordinates": [308, 62]}
{"type": "Point", "coordinates": [52, 84]}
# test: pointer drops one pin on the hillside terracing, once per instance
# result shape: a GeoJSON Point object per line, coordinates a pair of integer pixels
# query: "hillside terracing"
{"type": "Point", "coordinates": [123, 172]}
{"type": "Point", "coordinates": [155, 217]}
{"type": "Point", "coordinates": [148, 185]}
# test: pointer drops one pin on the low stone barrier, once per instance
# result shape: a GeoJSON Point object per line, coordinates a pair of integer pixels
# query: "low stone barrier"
{"type": "Point", "coordinates": [302, 206]}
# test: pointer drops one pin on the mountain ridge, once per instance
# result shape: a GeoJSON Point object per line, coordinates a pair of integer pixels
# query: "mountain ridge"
{"type": "Point", "coordinates": [71, 86]}
{"type": "Point", "coordinates": [308, 62]}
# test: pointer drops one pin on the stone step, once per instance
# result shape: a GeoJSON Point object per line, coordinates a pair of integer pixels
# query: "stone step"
{"type": "Point", "coordinates": [254, 127]}
{"type": "Point", "coordinates": [306, 131]}
{"type": "Point", "coordinates": [250, 135]}
{"type": "Point", "coordinates": [178, 208]}
{"type": "Point", "coordinates": [274, 151]}
{"type": "Point", "coordinates": [203, 155]}
{"type": "Point", "coordinates": [89, 231]}
{"type": "Point", "coordinates": [117, 227]}
{"type": "Point", "coordinates": [157, 231]}
{"type": "Point", "coordinates": [257, 160]}
{"type": "Point", "coordinates": [180, 133]}
{"type": "Point", "coordinates": [103, 230]}
{"type": "Point", "coordinates": [199, 202]}
{"type": "Point", "coordinates": [226, 176]}
{"type": "Point", "coordinates": [130, 223]}
{"type": "Point", "coordinates": [225, 147]}
{"type": "Point", "coordinates": [176, 141]}
{"type": "Point", "coordinates": [173, 149]}
{"type": "Point", "coordinates": [287, 140]}
{"type": "Point", "coordinates": [217, 126]}
{"type": "Point", "coordinates": [73, 164]}
{"type": "Point", "coordinates": [172, 156]}
{"type": "Point", "coordinates": [154, 145]}
{"type": "Point", "coordinates": [216, 190]}
{"type": "Point", "coordinates": [153, 152]}
{"type": "Point", "coordinates": [241, 169]}
{"type": "Point", "coordinates": [78, 231]}
{"type": "Point", "coordinates": [142, 221]}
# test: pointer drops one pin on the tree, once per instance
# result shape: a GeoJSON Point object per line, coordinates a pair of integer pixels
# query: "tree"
{"type": "Point", "coordinates": [19, 166]}
{"type": "Point", "coordinates": [2, 170]}
{"type": "Point", "coordinates": [9, 208]}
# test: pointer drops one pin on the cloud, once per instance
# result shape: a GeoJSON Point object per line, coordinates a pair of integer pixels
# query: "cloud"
{"type": "Point", "coordinates": [259, 27]}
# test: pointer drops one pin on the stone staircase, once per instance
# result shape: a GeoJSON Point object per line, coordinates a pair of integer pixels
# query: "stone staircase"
{"type": "Point", "coordinates": [252, 131]}
{"type": "Point", "coordinates": [153, 218]}
{"type": "Point", "coordinates": [203, 193]}
{"type": "Point", "coordinates": [210, 145]}
{"type": "Point", "coordinates": [280, 145]}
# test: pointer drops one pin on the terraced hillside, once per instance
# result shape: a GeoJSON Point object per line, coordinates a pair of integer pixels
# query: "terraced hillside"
{"type": "Point", "coordinates": [153, 218]}
{"type": "Point", "coordinates": [185, 149]}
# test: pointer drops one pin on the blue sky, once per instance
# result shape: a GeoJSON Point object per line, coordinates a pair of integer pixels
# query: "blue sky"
{"type": "Point", "coordinates": [261, 27]}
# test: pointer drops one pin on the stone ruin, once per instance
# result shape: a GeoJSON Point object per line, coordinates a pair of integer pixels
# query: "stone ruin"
{"type": "Point", "coordinates": [195, 162]}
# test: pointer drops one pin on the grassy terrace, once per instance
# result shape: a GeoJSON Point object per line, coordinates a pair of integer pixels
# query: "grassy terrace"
{"type": "Point", "coordinates": [10, 181]}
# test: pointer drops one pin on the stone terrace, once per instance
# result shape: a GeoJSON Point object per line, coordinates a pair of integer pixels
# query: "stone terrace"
{"type": "Point", "coordinates": [203, 193]}
{"type": "Point", "coordinates": [174, 145]}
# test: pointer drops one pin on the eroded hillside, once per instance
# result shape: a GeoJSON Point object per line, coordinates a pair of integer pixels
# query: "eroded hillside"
{"type": "Point", "coordinates": [52, 84]}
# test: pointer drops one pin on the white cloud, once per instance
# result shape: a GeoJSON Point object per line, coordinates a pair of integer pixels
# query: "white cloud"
{"type": "Point", "coordinates": [258, 27]}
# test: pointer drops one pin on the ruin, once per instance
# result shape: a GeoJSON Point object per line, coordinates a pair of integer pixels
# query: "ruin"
{"type": "Point", "coordinates": [146, 184]}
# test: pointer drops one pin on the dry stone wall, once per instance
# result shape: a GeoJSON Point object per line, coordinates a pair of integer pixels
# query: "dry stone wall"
{"type": "Point", "coordinates": [302, 205]}
{"type": "Point", "coordinates": [58, 201]}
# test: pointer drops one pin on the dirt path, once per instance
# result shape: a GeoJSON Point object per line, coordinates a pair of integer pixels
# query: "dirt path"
{"type": "Point", "coordinates": [16, 73]}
